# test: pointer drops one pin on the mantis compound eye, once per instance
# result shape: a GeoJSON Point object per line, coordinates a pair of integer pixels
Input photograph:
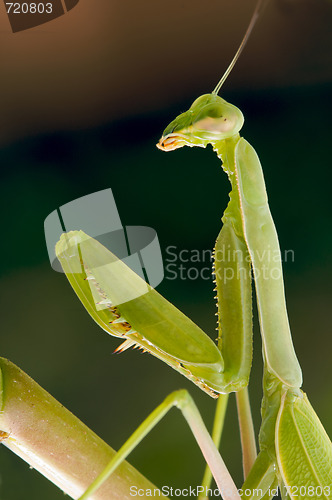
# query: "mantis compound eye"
{"type": "Point", "coordinates": [214, 120]}
{"type": "Point", "coordinates": [219, 119]}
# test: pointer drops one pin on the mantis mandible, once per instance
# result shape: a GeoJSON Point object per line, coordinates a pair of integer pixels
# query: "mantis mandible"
{"type": "Point", "coordinates": [295, 451]}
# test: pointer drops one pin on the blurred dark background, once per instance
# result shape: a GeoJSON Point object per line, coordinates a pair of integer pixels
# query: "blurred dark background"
{"type": "Point", "coordinates": [84, 99]}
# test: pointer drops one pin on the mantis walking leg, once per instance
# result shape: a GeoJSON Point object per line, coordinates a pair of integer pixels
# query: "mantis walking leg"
{"type": "Point", "coordinates": [218, 426]}
{"type": "Point", "coordinates": [248, 442]}
{"type": "Point", "coordinates": [184, 402]}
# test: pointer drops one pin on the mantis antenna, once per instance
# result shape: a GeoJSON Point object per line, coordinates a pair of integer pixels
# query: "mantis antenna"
{"type": "Point", "coordinates": [252, 23]}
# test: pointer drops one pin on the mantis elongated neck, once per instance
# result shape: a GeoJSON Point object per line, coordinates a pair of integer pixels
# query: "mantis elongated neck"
{"type": "Point", "coordinates": [250, 216]}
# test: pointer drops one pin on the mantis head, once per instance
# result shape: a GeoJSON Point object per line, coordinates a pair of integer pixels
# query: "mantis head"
{"type": "Point", "coordinates": [208, 120]}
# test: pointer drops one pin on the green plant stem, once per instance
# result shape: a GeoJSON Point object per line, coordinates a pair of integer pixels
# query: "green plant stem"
{"type": "Point", "coordinates": [53, 441]}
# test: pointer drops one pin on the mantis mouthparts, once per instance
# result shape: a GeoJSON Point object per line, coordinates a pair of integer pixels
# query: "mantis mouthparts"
{"type": "Point", "coordinates": [170, 142]}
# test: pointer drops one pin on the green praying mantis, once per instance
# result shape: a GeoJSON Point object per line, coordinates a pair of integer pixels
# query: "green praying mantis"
{"type": "Point", "coordinates": [295, 451]}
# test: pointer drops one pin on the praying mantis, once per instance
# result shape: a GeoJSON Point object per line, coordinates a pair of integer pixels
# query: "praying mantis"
{"type": "Point", "coordinates": [295, 451]}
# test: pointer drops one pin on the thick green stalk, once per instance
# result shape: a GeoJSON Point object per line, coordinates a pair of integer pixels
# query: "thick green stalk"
{"type": "Point", "coordinates": [56, 443]}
